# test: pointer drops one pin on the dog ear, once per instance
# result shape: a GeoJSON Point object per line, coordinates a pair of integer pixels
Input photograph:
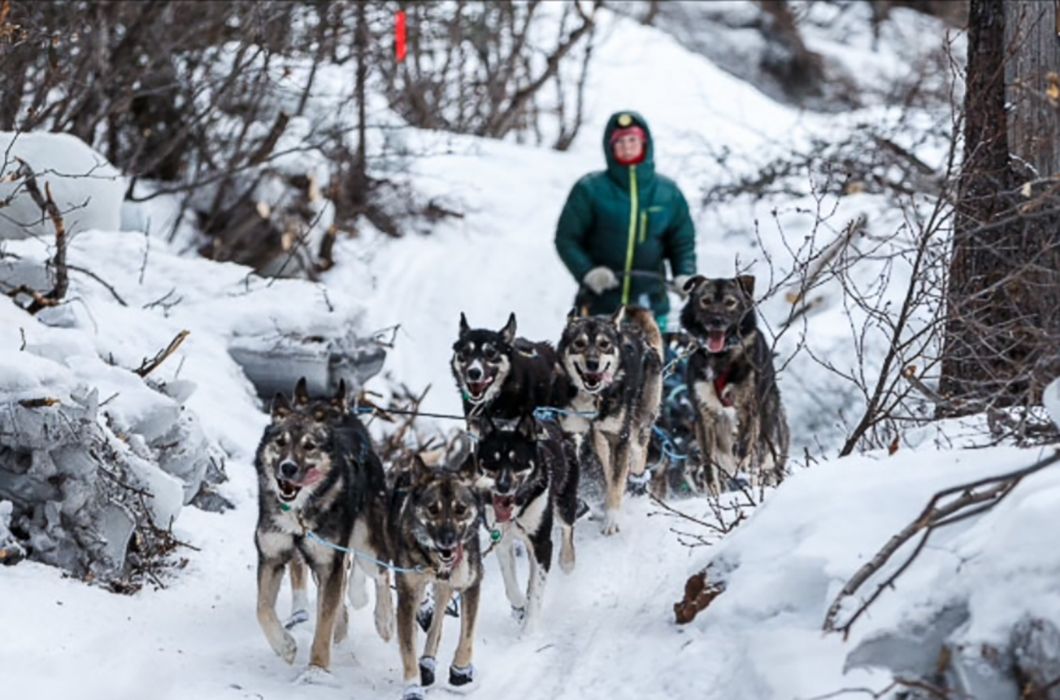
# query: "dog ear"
{"type": "Point", "coordinates": [464, 327]}
{"type": "Point", "coordinates": [747, 284]}
{"type": "Point", "coordinates": [508, 332]}
{"type": "Point", "coordinates": [692, 282]}
{"type": "Point", "coordinates": [419, 469]}
{"type": "Point", "coordinates": [456, 454]}
{"type": "Point", "coordinates": [281, 408]}
{"type": "Point", "coordinates": [618, 316]}
{"type": "Point", "coordinates": [301, 393]}
{"type": "Point", "coordinates": [340, 400]}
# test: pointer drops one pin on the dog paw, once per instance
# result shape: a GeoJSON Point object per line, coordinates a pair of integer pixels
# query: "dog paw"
{"type": "Point", "coordinates": [427, 666]}
{"type": "Point", "coordinates": [297, 618]}
{"type": "Point", "coordinates": [315, 675]}
{"type": "Point", "coordinates": [519, 613]}
{"type": "Point", "coordinates": [285, 647]}
{"type": "Point", "coordinates": [610, 526]}
{"type": "Point", "coordinates": [463, 680]}
{"type": "Point", "coordinates": [413, 691]}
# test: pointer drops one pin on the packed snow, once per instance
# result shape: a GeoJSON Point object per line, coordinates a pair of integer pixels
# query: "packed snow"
{"type": "Point", "coordinates": [607, 629]}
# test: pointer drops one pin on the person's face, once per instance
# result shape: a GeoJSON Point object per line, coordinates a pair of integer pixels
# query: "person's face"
{"type": "Point", "coordinates": [628, 148]}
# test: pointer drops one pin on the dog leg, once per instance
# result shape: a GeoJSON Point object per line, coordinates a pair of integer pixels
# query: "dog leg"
{"type": "Point", "coordinates": [540, 556]}
{"type": "Point", "coordinates": [462, 673]}
{"type": "Point", "coordinates": [442, 593]}
{"type": "Point", "coordinates": [299, 596]}
{"type": "Point", "coordinates": [566, 549]}
{"type": "Point", "coordinates": [357, 593]}
{"type": "Point", "coordinates": [506, 562]}
{"type": "Point", "coordinates": [612, 500]}
{"type": "Point", "coordinates": [410, 593]}
{"type": "Point", "coordinates": [617, 476]}
{"type": "Point", "coordinates": [384, 605]}
{"type": "Point", "coordinates": [270, 575]}
{"type": "Point", "coordinates": [342, 623]}
{"type": "Point", "coordinates": [329, 601]}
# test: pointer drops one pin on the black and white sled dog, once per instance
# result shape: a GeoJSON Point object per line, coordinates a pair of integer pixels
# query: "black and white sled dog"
{"type": "Point", "coordinates": [499, 375]}
{"type": "Point", "coordinates": [318, 477]}
{"type": "Point", "coordinates": [433, 535]}
{"type": "Point", "coordinates": [528, 483]}
{"type": "Point", "coordinates": [613, 369]}
{"type": "Point", "coordinates": [740, 422]}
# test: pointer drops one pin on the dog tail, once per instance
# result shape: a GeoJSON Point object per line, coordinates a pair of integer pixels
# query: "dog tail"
{"type": "Point", "coordinates": [644, 321]}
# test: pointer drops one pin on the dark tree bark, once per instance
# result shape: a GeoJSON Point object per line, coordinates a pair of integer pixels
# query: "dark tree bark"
{"type": "Point", "coordinates": [1002, 304]}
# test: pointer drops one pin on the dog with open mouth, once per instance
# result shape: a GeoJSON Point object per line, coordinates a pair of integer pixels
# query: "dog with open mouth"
{"type": "Point", "coordinates": [499, 375]}
{"type": "Point", "coordinates": [740, 422]}
{"type": "Point", "coordinates": [318, 477]}
{"type": "Point", "coordinates": [611, 394]}
{"type": "Point", "coordinates": [434, 519]}
{"type": "Point", "coordinates": [527, 483]}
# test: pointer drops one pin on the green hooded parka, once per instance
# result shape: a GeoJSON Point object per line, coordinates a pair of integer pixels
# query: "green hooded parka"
{"type": "Point", "coordinates": [627, 218]}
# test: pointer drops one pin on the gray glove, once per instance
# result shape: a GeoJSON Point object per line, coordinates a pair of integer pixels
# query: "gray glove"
{"type": "Point", "coordinates": [600, 279]}
{"type": "Point", "coordinates": [679, 285]}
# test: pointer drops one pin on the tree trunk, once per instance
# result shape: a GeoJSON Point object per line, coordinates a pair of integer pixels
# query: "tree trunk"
{"type": "Point", "coordinates": [1002, 303]}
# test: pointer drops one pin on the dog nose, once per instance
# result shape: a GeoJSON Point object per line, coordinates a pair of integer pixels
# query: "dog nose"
{"type": "Point", "coordinates": [474, 374]}
{"type": "Point", "coordinates": [592, 364]}
{"type": "Point", "coordinates": [446, 538]}
{"type": "Point", "coordinates": [288, 469]}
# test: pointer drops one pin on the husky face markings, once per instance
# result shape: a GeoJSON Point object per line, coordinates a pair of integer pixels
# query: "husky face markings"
{"type": "Point", "coordinates": [482, 360]}
{"type": "Point", "coordinates": [740, 421]}
{"type": "Point", "coordinates": [719, 311]}
{"type": "Point", "coordinates": [297, 452]}
{"type": "Point", "coordinates": [506, 461]}
{"type": "Point", "coordinates": [434, 539]}
{"type": "Point", "coordinates": [444, 518]}
{"type": "Point", "coordinates": [591, 348]}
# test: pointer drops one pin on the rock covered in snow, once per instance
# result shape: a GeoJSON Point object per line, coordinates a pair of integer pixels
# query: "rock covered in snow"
{"type": "Point", "coordinates": [87, 189]}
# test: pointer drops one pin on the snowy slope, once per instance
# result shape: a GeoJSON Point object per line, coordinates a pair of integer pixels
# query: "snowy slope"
{"type": "Point", "coordinates": [607, 630]}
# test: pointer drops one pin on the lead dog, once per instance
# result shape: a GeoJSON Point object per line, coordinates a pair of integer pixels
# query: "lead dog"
{"type": "Point", "coordinates": [317, 474]}
{"type": "Point", "coordinates": [740, 422]}
{"type": "Point", "coordinates": [433, 534]}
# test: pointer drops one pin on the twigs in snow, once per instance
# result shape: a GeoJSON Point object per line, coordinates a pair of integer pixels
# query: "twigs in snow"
{"type": "Point", "coordinates": [148, 366]}
{"type": "Point", "coordinates": [47, 205]}
{"type": "Point", "coordinates": [946, 507]}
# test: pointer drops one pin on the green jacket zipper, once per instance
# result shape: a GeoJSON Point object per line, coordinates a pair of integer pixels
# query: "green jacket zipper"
{"type": "Point", "coordinates": [631, 242]}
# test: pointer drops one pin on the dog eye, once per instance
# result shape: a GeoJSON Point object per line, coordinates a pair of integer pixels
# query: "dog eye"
{"type": "Point", "coordinates": [730, 302]}
{"type": "Point", "coordinates": [462, 355]}
{"type": "Point", "coordinates": [490, 353]}
{"type": "Point", "coordinates": [460, 510]}
{"type": "Point", "coordinates": [309, 444]}
{"type": "Point", "coordinates": [704, 301]}
{"type": "Point", "coordinates": [281, 441]}
{"type": "Point", "coordinates": [434, 510]}
{"type": "Point", "coordinates": [604, 345]}
{"type": "Point", "coordinates": [579, 344]}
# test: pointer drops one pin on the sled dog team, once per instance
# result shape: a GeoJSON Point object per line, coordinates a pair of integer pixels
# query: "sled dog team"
{"type": "Point", "coordinates": [537, 418]}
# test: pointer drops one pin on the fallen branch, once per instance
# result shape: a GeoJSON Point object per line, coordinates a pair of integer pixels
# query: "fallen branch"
{"type": "Point", "coordinates": [47, 206]}
{"type": "Point", "coordinates": [974, 498]}
{"type": "Point", "coordinates": [148, 366]}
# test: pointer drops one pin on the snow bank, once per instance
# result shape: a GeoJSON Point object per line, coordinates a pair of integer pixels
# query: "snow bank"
{"type": "Point", "coordinates": [87, 189]}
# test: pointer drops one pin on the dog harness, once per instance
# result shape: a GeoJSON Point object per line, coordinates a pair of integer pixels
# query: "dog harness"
{"type": "Point", "coordinates": [720, 382]}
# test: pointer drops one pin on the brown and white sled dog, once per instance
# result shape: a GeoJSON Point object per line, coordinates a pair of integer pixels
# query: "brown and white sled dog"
{"type": "Point", "coordinates": [613, 368]}
{"type": "Point", "coordinates": [740, 422]}
{"type": "Point", "coordinates": [433, 535]}
{"type": "Point", "coordinates": [318, 477]}
{"type": "Point", "coordinates": [528, 483]}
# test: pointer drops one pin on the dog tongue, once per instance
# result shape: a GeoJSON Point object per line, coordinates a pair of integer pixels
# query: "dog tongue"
{"type": "Point", "coordinates": [312, 476]}
{"type": "Point", "coordinates": [716, 341]}
{"type": "Point", "coordinates": [502, 508]}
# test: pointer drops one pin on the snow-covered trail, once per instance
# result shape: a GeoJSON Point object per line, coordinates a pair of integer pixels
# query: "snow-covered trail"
{"type": "Point", "coordinates": [199, 638]}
